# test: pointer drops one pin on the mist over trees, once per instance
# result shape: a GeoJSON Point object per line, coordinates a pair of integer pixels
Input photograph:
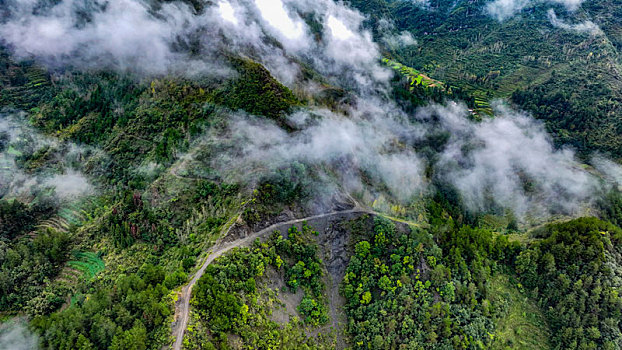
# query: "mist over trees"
{"type": "Point", "coordinates": [457, 144]}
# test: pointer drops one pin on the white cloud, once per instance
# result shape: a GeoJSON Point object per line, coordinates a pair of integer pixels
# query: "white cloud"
{"type": "Point", "coordinates": [129, 35]}
{"type": "Point", "coordinates": [422, 3]}
{"type": "Point", "coordinates": [509, 160]}
{"type": "Point", "coordinates": [286, 26]}
{"type": "Point", "coordinates": [370, 139]}
{"type": "Point", "coordinates": [15, 335]}
{"type": "Point", "coordinates": [16, 182]}
{"type": "Point", "coordinates": [583, 27]}
{"type": "Point", "coordinates": [357, 53]}
{"type": "Point", "coordinates": [392, 38]}
{"type": "Point", "coordinates": [364, 144]}
{"type": "Point", "coordinates": [505, 9]}
{"type": "Point", "coordinates": [338, 29]}
{"type": "Point", "coordinates": [611, 170]}
{"type": "Point", "coordinates": [69, 185]}
{"type": "Point", "coordinates": [403, 39]}
{"type": "Point", "coordinates": [227, 12]}
{"type": "Point", "coordinates": [123, 34]}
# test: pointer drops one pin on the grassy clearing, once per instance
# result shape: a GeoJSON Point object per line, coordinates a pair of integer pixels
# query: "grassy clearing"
{"type": "Point", "coordinates": [524, 325]}
{"type": "Point", "coordinates": [88, 263]}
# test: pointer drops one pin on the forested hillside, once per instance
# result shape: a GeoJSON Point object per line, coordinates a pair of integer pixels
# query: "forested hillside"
{"type": "Point", "coordinates": [267, 174]}
{"type": "Point", "coordinates": [560, 64]}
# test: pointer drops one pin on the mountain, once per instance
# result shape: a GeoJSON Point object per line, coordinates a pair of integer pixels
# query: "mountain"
{"type": "Point", "coordinates": [300, 175]}
{"type": "Point", "coordinates": [560, 63]}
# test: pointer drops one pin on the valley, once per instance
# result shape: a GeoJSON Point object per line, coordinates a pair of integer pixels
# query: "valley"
{"type": "Point", "coordinates": [282, 174]}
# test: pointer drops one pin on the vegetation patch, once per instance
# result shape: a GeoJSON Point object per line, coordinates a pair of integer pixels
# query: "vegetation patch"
{"type": "Point", "coordinates": [88, 263]}
{"type": "Point", "coordinates": [522, 325]}
{"type": "Point", "coordinates": [234, 303]}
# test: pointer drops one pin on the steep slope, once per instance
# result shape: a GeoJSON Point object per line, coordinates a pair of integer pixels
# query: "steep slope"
{"type": "Point", "coordinates": [139, 161]}
{"type": "Point", "coordinates": [562, 66]}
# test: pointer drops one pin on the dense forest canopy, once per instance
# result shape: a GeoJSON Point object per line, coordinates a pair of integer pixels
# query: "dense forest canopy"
{"type": "Point", "coordinates": [262, 174]}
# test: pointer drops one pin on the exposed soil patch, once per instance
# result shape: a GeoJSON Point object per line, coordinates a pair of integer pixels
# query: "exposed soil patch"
{"type": "Point", "coordinates": [335, 242]}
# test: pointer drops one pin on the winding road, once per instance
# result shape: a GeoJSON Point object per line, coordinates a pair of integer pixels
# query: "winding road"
{"type": "Point", "coordinates": [182, 307]}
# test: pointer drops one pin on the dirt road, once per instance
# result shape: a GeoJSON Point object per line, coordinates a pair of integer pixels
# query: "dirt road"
{"type": "Point", "coordinates": [183, 304]}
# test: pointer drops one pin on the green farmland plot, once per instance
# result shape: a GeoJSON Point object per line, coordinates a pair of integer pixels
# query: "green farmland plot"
{"type": "Point", "coordinates": [88, 263]}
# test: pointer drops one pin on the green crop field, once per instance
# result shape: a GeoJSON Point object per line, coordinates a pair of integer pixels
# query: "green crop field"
{"type": "Point", "coordinates": [88, 263]}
